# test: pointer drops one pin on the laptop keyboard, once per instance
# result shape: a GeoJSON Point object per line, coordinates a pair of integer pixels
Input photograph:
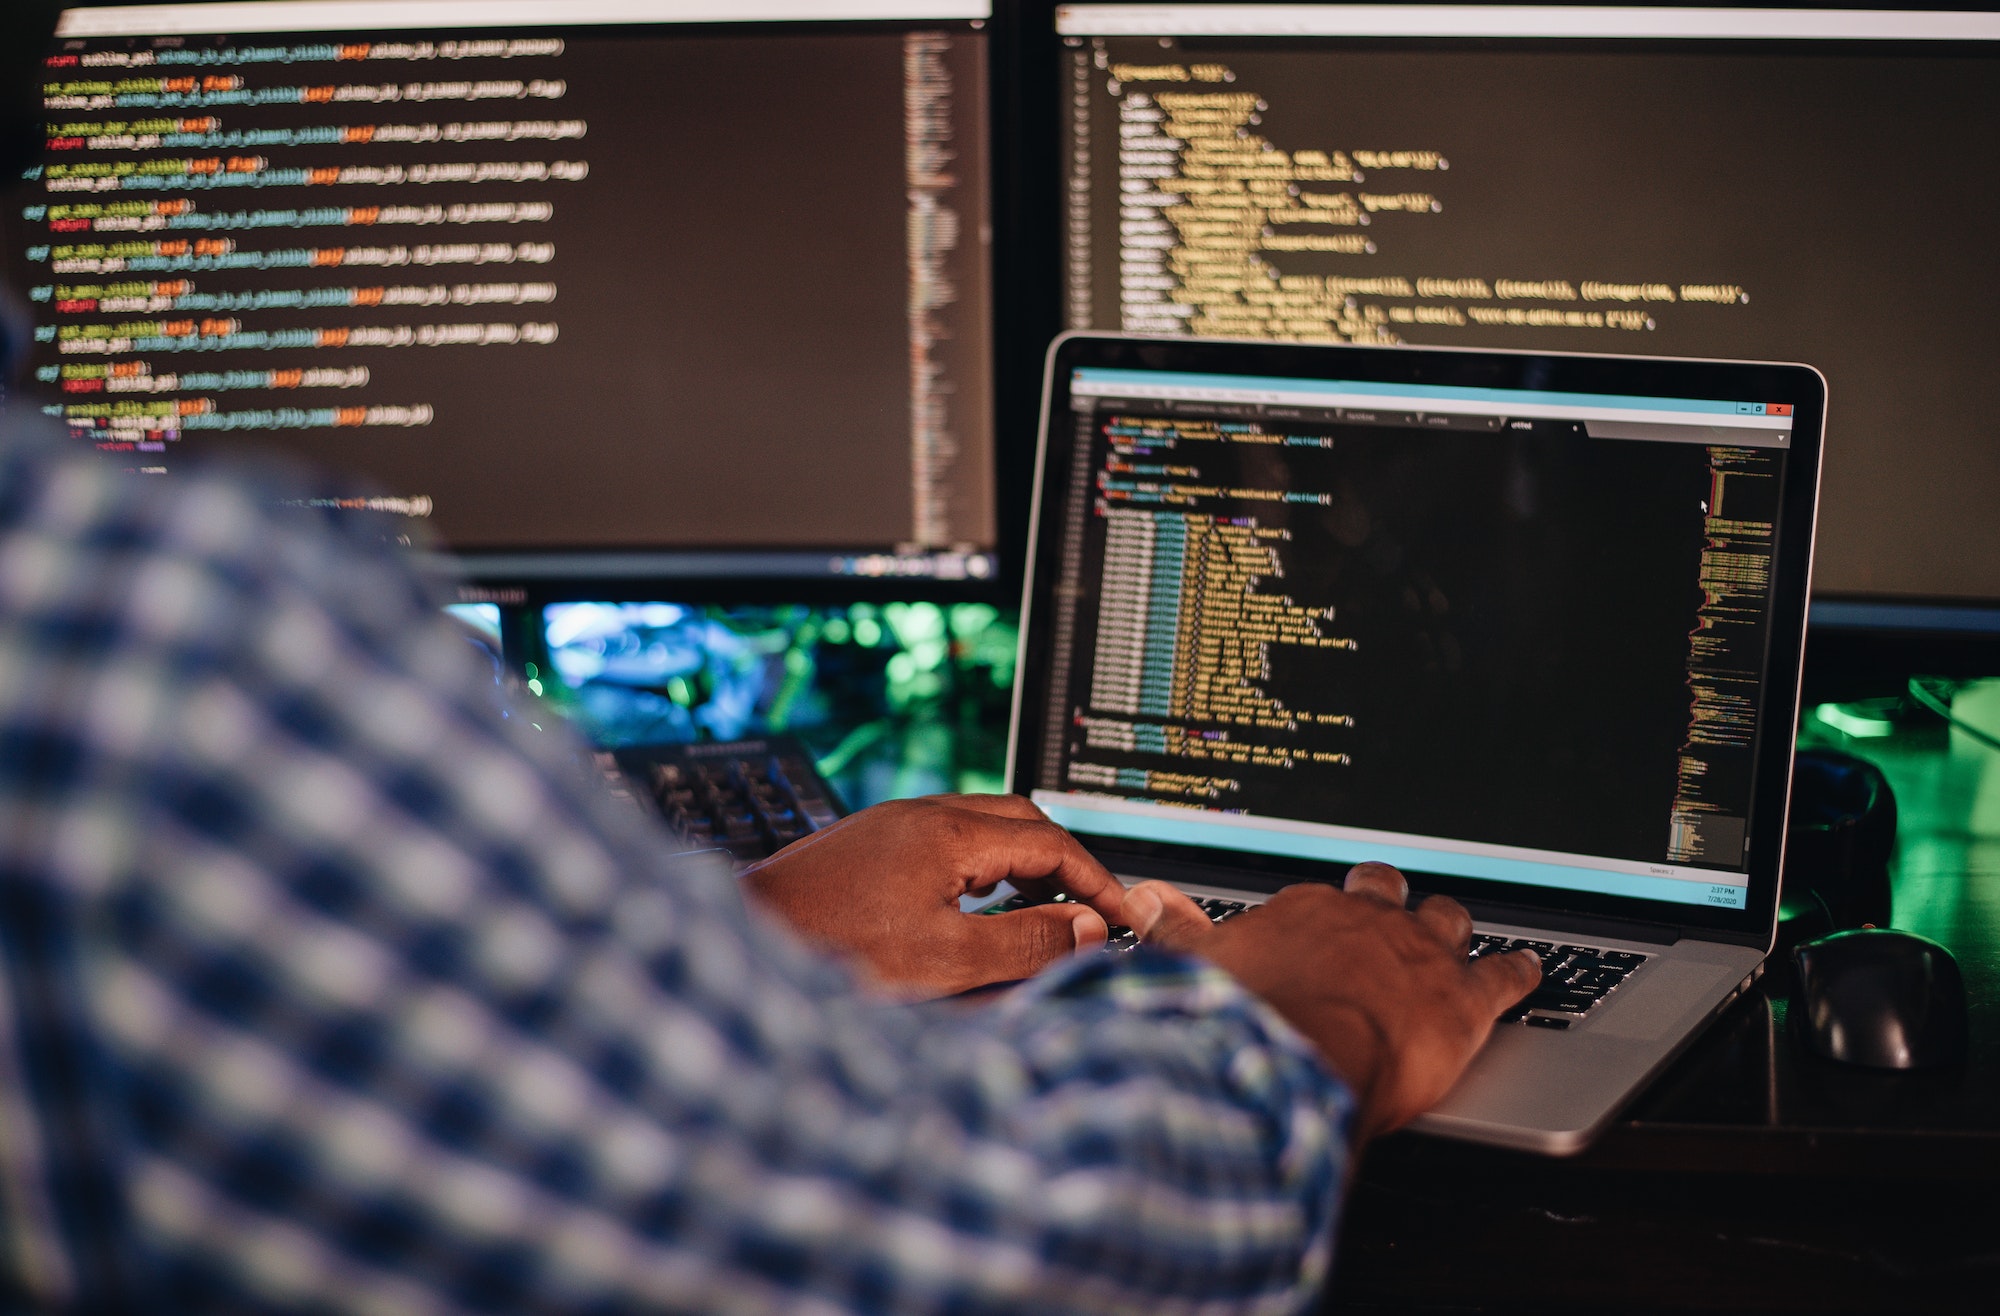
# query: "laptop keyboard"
{"type": "Point", "coordinates": [1118, 937]}
{"type": "Point", "coordinates": [1574, 978]}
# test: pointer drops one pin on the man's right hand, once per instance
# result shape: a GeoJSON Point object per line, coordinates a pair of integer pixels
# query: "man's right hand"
{"type": "Point", "coordinates": [1387, 995]}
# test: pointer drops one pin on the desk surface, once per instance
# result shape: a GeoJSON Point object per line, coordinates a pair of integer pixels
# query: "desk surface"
{"type": "Point", "coordinates": [1751, 1175]}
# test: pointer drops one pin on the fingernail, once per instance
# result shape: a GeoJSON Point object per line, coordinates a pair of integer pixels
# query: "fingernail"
{"type": "Point", "coordinates": [1087, 927]}
{"type": "Point", "coordinates": [1142, 911]}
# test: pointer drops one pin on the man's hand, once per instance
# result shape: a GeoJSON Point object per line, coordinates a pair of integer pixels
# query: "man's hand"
{"type": "Point", "coordinates": [1387, 995]}
{"type": "Point", "coordinates": [881, 889]}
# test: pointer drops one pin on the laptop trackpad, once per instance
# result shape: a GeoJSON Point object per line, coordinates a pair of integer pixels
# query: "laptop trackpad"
{"type": "Point", "coordinates": [1673, 990]}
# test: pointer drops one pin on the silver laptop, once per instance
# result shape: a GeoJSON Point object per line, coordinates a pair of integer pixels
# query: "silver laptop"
{"type": "Point", "coordinates": [1527, 626]}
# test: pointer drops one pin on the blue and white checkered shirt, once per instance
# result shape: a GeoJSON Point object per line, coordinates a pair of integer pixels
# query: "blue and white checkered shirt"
{"type": "Point", "coordinates": [327, 989]}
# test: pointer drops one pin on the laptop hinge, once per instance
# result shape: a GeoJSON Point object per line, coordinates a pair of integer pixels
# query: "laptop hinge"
{"type": "Point", "coordinates": [1600, 925]}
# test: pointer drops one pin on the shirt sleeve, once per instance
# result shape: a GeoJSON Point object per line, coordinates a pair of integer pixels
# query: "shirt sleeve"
{"type": "Point", "coordinates": [389, 1007]}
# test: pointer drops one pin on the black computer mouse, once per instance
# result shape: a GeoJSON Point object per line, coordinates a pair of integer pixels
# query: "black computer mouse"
{"type": "Point", "coordinates": [1880, 998]}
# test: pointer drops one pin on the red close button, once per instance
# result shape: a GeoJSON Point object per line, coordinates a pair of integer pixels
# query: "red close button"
{"type": "Point", "coordinates": [1777, 408]}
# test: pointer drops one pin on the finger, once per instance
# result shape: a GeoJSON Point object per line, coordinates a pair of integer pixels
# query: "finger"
{"type": "Point", "coordinates": [1004, 947]}
{"type": "Point", "coordinates": [1379, 881]}
{"type": "Point", "coordinates": [1164, 916]}
{"type": "Point", "coordinates": [1448, 920]}
{"type": "Point", "coordinates": [994, 847]}
{"type": "Point", "coordinates": [1502, 980]}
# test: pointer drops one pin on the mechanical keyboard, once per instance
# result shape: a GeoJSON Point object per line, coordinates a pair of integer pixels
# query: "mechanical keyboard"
{"type": "Point", "coordinates": [751, 798]}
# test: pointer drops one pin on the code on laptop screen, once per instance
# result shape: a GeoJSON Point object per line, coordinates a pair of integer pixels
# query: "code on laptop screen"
{"type": "Point", "coordinates": [1525, 638]}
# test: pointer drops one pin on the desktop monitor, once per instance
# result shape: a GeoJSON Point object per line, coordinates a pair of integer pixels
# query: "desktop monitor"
{"type": "Point", "coordinates": [626, 293]}
{"type": "Point", "coordinates": [1790, 185]}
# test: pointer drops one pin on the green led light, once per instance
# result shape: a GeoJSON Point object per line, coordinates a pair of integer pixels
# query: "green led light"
{"type": "Point", "coordinates": [534, 686]}
{"type": "Point", "coordinates": [867, 632]}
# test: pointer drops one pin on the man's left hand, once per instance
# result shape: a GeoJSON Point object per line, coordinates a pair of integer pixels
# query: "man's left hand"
{"type": "Point", "coordinates": [881, 889]}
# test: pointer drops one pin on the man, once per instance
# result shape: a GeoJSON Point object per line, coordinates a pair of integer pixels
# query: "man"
{"type": "Point", "coordinates": [328, 990]}
{"type": "Point", "coordinates": [324, 989]}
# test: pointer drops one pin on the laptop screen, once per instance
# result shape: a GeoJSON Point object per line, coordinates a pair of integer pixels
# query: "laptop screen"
{"type": "Point", "coordinates": [1488, 633]}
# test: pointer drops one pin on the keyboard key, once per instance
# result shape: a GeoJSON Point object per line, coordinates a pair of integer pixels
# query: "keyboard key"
{"type": "Point", "coordinates": [1546, 1021]}
{"type": "Point", "coordinates": [1566, 1002]}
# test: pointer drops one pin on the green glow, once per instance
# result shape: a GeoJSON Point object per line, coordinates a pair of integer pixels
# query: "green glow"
{"type": "Point", "coordinates": [867, 632]}
{"type": "Point", "coordinates": [901, 668]}
{"type": "Point", "coordinates": [531, 670]}
{"type": "Point", "coordinates": [969, 619]}
{"type": "Point", "coordinates": [1857, 720]}
{"type": "Point", "coordinates": [678, 691]}
{"type": "Point", "coordinates": [837, 630]}
{"type": "Point", "coordinates": [534, 686]}
{"type": "Point", "coordinates": [1948, 821]}
{"type": "Point", "coordinates": [914, 623]}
